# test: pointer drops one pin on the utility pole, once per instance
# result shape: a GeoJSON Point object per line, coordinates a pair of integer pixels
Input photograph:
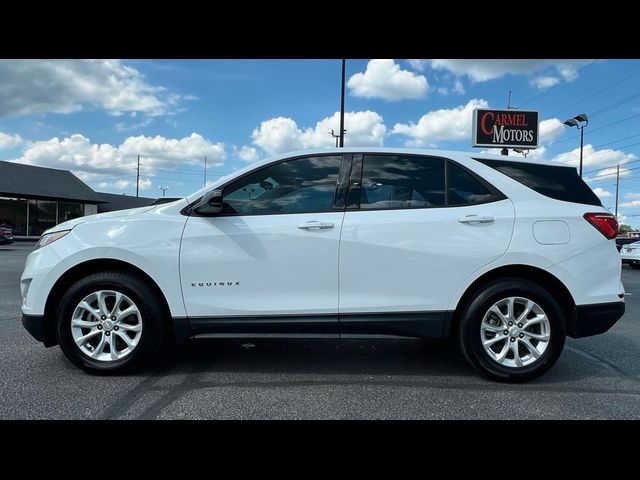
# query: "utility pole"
{"type": "Point", "coordinates": [342, 105]}
{"type": "Point", "coordinates": [505, 151]}
{"type": "Point", "coordinates": [617, 185]}
{"type": "Point", "coordinates": [337, 137]}
{"type": "Point", "coordinates": [581, 145]}
{"type": "Point", "coordinates": [138, 176]}
{"type": "Point", "coordinates": [205, 171]}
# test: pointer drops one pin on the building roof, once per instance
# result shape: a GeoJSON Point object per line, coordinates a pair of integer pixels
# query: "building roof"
{"type": "Point", "coordinates": [113, 201]}
{"type": "Point", "coordinates": [27, 181]}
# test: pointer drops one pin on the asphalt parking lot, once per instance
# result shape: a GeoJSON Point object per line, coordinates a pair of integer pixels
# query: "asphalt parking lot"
{"type": "Point", "coordinates": [595, 378]}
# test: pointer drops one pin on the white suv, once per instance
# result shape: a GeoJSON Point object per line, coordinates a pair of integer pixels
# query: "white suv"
{"type": "Point", "coordinates": [506, 256]}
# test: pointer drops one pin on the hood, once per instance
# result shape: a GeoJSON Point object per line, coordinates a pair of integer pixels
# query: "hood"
{"type": "Point", "coordinates": [69, 224]}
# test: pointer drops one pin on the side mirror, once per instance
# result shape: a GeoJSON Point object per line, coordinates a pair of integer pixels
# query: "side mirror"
{"type": "Point", "coordinates": [210, 203]}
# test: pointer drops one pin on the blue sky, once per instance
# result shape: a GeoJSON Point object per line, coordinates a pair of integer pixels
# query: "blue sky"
{"type": "Point", "coordinates": [94, 117]}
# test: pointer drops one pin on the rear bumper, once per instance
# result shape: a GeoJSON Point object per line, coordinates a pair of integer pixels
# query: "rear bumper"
{"type": "Point", "coordinates": [595, 319]}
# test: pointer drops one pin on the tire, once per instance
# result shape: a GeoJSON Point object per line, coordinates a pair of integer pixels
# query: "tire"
{"type": "Point", "coordinates": [477, 324]}
{"type": "Point", "coordinates": [146, 328]}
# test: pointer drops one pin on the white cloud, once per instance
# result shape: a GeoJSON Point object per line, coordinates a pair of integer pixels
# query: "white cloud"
{"type": "Point", "coordinates": [550, 130]}
{"type": "Point", "coordinates": [482, 70]}
{"type": "Point", "coordinates": [63, 86]}
{"type": "Point", "coordinates": [595, 158]}
{"type": "Point", "coordinates": [247, 154]}
{"type": "Point", "coordinates": [124, 127]}
{"type": "Point", "coordinates": [103, 162]}
{"type": "Point", "coordinates": [145, 184]}
{"type": "Point", "coordinates": [539, 153]}
{"type": "Point", "coordinates": [418, 64]}
{"type": "Point", "coordinates": [9, 141]}
{"type": "Point", "coordinates": [544, 82]}
{"type": "Point", "coordinates": [282, 134]}
{"type": "Point", "coordinates": [458, 87]}
{"type": "Point", "coordinates": [632, 203]}
{"type": "Point", "coordinates": [601, 192]}
{"type": "Point", "coordinates": [606, 175]}
{"type": "Point", "coordinates": [385, 79]}
{"type": "Point", "coordinates": [161, 152]}
{"type": "Point", "coordinates": [278, 135]}
{"type": "Point", "coordinates": [632, 196]}
{"type": "Point", "coordinates": [441, 125]}
{"type": "Point", "coordinates": [364, 129]}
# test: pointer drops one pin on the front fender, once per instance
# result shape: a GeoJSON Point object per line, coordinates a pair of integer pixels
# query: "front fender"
{"type": "Point", "coordinates": [149, 242]}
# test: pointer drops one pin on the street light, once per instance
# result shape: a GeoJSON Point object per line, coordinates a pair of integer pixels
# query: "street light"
{"type": "Point", "coordinates": [579, 121]}
{"type": "Point", "coordinates": [164, 189]}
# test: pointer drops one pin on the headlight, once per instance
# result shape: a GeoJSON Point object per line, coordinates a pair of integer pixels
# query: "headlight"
{"type": "Point", "coordinates": [50, 238]}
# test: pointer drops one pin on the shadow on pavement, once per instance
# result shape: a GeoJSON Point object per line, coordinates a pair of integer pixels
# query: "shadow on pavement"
{"type": "Point", "coordinates": [324, 357]}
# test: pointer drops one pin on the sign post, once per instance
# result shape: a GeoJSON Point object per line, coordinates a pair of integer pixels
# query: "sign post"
{"type": "Point", "coordinates": [505, 128]}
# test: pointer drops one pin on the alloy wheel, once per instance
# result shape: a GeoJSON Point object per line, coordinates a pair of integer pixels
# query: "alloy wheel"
{"type": "Point", "coordinates": [106, 325]}
{"type": "Point", "coordinates": [515, 332]}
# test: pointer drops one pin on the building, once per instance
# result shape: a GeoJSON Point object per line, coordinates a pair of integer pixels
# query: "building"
{"type": "Point", "coordinates": [113, 201]}
{"type": "Point", "coordinates": [33, 199]}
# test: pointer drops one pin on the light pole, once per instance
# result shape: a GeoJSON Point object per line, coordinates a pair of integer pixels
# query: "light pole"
{"type": "Point", "coordinates": [579, 121]}
{"type": "Point", "coordinates": [164, 189]}
{"type": "Point", "coordinates": [342, 130]}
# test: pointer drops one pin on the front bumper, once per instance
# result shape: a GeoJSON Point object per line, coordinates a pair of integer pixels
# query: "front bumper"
{"type": "Point", "coordinates": [35, 325]}
{"type": "Point", "coordinates": [630, 261]}
{"type": "Point", "coordinates": [594, 319]}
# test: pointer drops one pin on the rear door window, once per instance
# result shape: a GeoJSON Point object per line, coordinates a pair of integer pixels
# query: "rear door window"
{"type": "Point", "coordinates": [415, 181]}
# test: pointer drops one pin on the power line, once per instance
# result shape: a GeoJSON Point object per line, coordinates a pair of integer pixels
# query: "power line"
{"type": "Point", "coordinates": [599, 177]}
{"type": "Point", "coordinates": [616, 141]}
{"type": "Point", "coordinates": [616, 104]}
{"type": "Point", "coordinates": [611, 166]}
{"type": "Point", "coordinates": [580, 70]}
{"type": "Point", "coordinates": [605, 109]}
{"type": "Point", "coordinates": [596, 154]}
{"type": "Point", "coordinates": [595, 129]}
{"type": "Point", "coordinates": [606, 89]}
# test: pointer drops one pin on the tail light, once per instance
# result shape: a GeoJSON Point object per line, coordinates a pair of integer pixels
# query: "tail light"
{"type": "Point", "coordinates": [605, 223]}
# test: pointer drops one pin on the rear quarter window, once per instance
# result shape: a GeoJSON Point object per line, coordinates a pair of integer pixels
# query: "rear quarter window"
{"type": "Point", "coordinates": [559, 183]}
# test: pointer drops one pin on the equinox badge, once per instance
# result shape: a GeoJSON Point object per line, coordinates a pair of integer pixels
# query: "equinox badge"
{"type": "Point", "coordinates": [215, 284]}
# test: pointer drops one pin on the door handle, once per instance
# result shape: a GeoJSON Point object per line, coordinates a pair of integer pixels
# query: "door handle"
{"type": "Point", "coordinates": [475, 219]}
{"type": "Point", "coordinates": [315, 225]}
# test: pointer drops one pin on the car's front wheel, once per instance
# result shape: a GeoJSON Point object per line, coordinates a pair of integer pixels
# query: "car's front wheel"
{"type": "Point", "coordinates": [513, 330]}
{"type": "Point", "coordinates": [111, 322]}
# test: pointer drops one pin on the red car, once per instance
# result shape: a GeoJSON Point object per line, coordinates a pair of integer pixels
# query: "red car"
{"type": "Point", "coordinates": [6, 235]}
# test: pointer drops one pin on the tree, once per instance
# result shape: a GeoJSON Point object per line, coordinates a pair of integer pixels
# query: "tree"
{"type": "Point", "coordinates": [624, 228]}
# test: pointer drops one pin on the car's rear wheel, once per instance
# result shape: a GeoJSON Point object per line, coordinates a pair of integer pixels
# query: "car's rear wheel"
{"type": "Point", "coordinates": [111, 322]}
{"type": "Point", "coordinates": [513, 330]}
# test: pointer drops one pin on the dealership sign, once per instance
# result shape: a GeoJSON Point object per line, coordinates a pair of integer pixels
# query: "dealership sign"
{"type": "Point", "coordinates": [505, 128]}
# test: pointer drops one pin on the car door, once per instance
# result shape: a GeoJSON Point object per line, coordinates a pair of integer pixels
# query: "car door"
{"type": "Point", "coordinates": [415, 227]}
{"type": "Point", "coordinates": [269, 260]}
